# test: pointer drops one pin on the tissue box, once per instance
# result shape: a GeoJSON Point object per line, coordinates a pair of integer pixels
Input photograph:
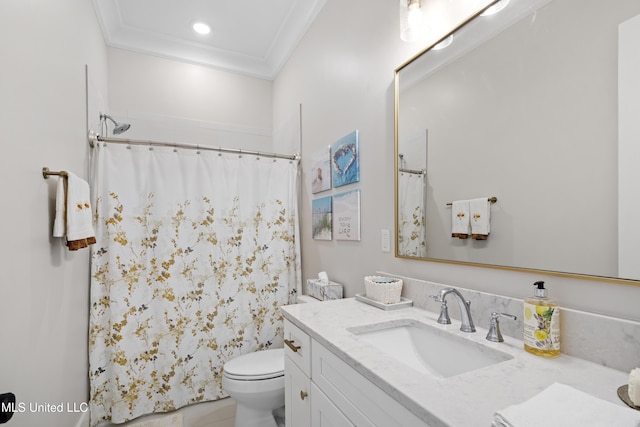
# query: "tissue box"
{"type": "Point", "coordinates": [324, 290]}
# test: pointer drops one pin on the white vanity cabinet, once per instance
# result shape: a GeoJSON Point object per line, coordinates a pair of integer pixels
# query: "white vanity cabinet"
{"type": "Point", "coordinates": [327, 392]}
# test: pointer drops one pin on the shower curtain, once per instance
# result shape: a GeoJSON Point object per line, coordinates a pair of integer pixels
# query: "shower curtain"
{"type": "Point", "coordinates": [411, 215]}
{"type": "Point", "coordinates": [196, 252]}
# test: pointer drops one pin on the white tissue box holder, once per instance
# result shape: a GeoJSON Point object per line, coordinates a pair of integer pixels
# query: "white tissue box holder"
{"type": "Point", "coordinates": [324, 291]}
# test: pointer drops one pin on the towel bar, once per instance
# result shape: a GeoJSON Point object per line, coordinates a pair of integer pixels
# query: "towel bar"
{"type": "Point", "coordinates": [490, 199]}
{"type": "Point", "coordinates": [46, 173]}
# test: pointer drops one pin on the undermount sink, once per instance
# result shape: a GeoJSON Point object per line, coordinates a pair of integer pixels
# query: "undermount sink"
{"type": "Point", "coordinates": [427, 349]}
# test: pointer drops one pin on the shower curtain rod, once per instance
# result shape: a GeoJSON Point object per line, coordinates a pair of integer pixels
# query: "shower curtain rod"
{"type": "Point", "coordinates": [93, 138]}
{"type": "Point", "coordinates": [418, 172]}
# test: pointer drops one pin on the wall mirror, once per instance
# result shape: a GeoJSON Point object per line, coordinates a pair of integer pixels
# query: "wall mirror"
{"type": "Point", "coordinates": [533, 106]}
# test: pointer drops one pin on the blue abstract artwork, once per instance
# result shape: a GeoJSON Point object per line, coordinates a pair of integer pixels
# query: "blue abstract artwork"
{"type": "Point", "coordinates": [345, 160]}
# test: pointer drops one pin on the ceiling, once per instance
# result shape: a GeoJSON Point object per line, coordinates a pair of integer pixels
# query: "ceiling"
{"type": "Point", "coordinates": [251, 37]}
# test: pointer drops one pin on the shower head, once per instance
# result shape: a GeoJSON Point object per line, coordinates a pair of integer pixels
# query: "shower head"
{"type": "Point", "coordinates": [118, 127]}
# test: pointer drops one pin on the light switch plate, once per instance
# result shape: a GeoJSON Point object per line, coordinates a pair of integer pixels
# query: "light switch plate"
{"type": "Point", "coordinates": [385, 241]}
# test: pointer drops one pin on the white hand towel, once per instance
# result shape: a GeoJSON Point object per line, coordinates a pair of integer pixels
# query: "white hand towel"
{"type": "Point", "coordinates": [460, 219]}
{"type": "Point", "coordinates": [560, 405]}
{"type": "Point", "coordinates": [73, 212]}
{"type": "Point", "coordinates": [60, 222]}
{"type": "Point", "coordinates": [480, 218]}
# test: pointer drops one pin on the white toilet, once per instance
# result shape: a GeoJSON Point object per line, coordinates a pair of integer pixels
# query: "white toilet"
{"type": "Point", "coordinates": [256, 382]}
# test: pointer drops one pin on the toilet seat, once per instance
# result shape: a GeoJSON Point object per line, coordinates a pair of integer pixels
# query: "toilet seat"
{"type": "Point", "coordinates": [261, 365]}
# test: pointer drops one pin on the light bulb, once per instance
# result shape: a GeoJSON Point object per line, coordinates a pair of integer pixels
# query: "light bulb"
{"type": "Point", "coordinates": [411, 20]}
{"type": "Point", "coordinates": [415, 15]}
{"type": "Point", "coordinates": [201, 28]}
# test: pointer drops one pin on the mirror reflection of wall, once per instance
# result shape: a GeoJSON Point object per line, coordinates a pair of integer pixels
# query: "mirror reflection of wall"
{"type": "Point", "coordinates": [529, 116]}
{"type": "Point", "coordinates": [628, 148]}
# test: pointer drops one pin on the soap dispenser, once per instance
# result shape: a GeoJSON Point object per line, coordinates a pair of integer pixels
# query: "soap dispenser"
{"type": "Point", "coordinates": [541, 323]}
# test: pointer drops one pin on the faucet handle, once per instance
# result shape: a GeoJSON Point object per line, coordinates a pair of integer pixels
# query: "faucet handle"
{"type": "Point", "coordinates": [444, 318]}
{"type": "Point", "coordinates": [494, 334]}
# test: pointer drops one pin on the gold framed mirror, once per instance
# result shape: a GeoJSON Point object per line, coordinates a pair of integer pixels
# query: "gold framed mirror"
{"type": "Point", "coordinates": [533, 106]}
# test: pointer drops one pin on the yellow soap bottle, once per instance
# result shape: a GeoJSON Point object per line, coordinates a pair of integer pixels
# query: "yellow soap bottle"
{"type": "Point", "coordinates": [541, 324]}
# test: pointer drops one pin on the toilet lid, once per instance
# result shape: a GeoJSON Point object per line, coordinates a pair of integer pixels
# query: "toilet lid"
{"type": "Point", "coordinates": [256, 366]}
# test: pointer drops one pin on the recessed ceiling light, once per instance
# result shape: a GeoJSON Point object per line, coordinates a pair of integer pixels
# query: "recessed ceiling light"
{"type": "Point", "coordinates": [201, 28]}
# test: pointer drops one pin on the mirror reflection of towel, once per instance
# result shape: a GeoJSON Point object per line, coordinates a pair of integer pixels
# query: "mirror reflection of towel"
{"type": "Point", "coordinates": [460, 219]}
{"type": "Point", "coordinates": [73, 212]}
{"type": "Point", "coordinates": [480, 218]}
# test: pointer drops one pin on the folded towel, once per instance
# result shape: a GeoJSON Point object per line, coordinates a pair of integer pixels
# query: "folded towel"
{"type": "Point", "coordinates": [460, 219]}
{"type": "Point", "coordinates": [60, 222]}
{"type": "Point", "coordinates": [73, 213]}
{"type": "Point", "coordinates": [560, 405]}
{"type": "Point", "coordinates": [480, 218]}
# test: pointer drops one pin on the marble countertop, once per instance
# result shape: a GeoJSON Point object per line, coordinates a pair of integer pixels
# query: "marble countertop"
{"type": "Point", "coordinates": [466, 399]}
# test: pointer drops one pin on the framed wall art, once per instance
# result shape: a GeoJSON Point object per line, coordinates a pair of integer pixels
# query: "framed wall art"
{"type": "Point", "coordinates": [320, 174]}
{"type": "Point", "coordinates": [345, 160]}
{"type": "Point", "coordinates": [321, 220]}
{"type": "Point", "coordinates": [346, 215]}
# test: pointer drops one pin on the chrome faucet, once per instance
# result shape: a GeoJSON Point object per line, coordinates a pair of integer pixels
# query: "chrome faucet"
{"type": "Point", "coordinates": [465, 309]}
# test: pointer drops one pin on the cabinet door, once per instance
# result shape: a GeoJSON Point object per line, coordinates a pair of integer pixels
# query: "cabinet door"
{"type": "Point", "coordinates": [297, 395]}
{"type": "Point", "coordinates": [324, 413]}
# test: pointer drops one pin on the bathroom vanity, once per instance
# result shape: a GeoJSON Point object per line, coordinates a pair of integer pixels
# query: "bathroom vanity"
{"type": "Point", "coordinates": [342, 369]}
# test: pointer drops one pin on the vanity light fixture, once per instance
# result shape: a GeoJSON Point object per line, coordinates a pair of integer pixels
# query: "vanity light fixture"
{"type": "Point", "coordinates": [497, 7]}
{"type": "Point", "coordinates": [201, 28]}
{"type": "Point", "coordinates": [412, 24]}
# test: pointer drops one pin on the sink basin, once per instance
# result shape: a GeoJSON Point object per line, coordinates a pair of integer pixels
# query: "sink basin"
{"type": "Point", "coordinates": [429, 350]}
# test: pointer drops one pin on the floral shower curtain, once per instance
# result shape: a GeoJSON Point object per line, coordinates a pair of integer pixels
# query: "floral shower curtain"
{"type": "Point", "coordinates": [411, 215]}
{"type": "Point", "coordinates": [196, 252]}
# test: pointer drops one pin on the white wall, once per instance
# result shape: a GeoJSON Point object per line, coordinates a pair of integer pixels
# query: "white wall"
{"type": "Point", "coordinates": [44, 47]}
{"type": "Point", "coordinates": [166, 100]}
{"type": "Point", "coordinates": [342, 74]}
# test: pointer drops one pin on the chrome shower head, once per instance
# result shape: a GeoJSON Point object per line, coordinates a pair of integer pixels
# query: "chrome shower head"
{"type": "Point", "coordinates": [118, 127]}
{"type": "Point", "coordinates": [121, 128]}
